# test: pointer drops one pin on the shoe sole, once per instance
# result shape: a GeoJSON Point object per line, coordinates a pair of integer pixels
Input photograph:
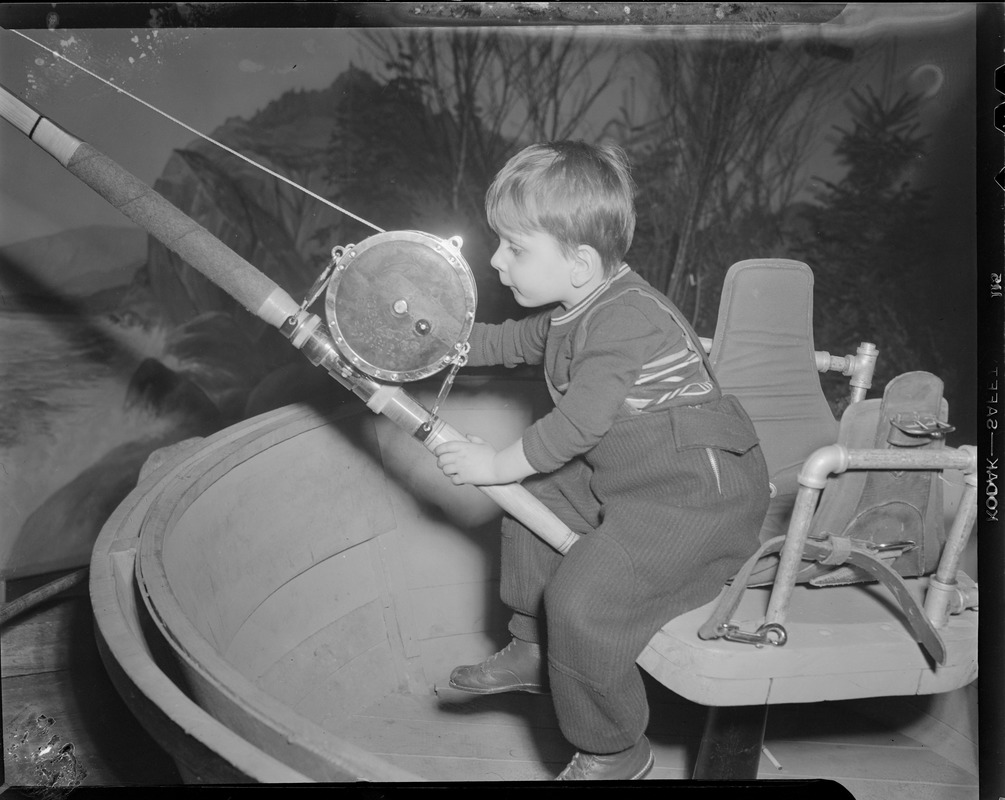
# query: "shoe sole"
{"type": "Point", "coordinates": [638, 775]}
{"type": "Point", "coordinates": [529, 688]}
{"type": "Point", "coordinates": [646, 769]}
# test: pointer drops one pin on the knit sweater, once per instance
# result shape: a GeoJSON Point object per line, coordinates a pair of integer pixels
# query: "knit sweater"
{"type": "Point", "coordinates": [620, 352]}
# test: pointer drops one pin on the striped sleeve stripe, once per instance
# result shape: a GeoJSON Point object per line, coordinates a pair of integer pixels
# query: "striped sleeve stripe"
{"type": "Point", "coordinates": [691, 390]}
{"type": "Point", "coordinates": [666, 379]}
{"type": "Point", "coordinates": [669, 359]}
{"type": "Point", "coordinates": [655, 376]}
{"type": "Point", "coordinates": [694, 389]}
{"type": "Point", "coordinates": [638, 403]}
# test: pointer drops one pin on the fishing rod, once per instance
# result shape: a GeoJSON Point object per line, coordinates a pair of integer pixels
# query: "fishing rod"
{"type": "Point", "coordinates": [412, 291]}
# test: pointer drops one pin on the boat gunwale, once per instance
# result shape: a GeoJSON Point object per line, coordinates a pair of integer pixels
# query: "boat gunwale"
{"type": "Point", "coordinates": [322, 749]}
{"type": "Point", "coordinates": [132, 668]}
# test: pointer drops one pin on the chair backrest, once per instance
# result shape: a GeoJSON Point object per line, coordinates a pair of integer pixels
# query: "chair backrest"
{"type": "Point", "coordinates": [885, 506]}
{"type": "Point", "coordinates": [763, 352]}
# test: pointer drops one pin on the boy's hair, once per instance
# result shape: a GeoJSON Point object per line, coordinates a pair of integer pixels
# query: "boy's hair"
{"type": "Point", "coordinates": [577, 192]}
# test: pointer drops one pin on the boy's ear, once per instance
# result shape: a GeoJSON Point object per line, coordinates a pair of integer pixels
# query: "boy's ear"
{"type": "Point", "coordinates": [587, 265]}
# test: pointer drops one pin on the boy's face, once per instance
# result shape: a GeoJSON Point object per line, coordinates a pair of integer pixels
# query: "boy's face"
{"type": "Point", "coordinates": [535, 269]}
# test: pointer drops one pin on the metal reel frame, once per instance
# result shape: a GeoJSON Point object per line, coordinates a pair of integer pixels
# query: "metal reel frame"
{"type": "Point", "coordinates": [400, 305]}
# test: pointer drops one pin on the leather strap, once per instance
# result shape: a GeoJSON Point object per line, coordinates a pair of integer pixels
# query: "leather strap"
{"type": "Point", "coordinates": [830, 550]}
{"type": "Point", "coordinates": [922, 628]}
{"type": "Point", "coordinates": [729, 600]}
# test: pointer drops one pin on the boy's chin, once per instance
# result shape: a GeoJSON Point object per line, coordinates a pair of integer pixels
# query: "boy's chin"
{"type": "Point", "coordinates": [526, 302]}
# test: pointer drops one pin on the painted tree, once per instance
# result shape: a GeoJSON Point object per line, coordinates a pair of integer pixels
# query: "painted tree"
{"type": "Point", "coordinates": [732, 122]}
{"type": "Point", "coordinates": [869, 237]}
{"type": "Point", "coordinates": [487, 93]}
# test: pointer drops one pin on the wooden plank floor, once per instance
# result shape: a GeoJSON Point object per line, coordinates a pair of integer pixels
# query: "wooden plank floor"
{"type": "Point", "coordinates": [456, 737]}
{"type": "Point", "coordinates": [51, 669]}
{"type": "Point", "coordinates": [55, 689]}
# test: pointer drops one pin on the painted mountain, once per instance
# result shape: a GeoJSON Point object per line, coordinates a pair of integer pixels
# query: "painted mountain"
{"type": "Point", "coordinates": [90, 266]}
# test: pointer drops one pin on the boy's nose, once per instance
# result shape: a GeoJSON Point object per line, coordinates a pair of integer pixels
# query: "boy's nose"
{"type": "Point", "coordinates": [496, 260]}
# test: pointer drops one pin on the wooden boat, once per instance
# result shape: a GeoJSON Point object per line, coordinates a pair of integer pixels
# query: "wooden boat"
{"type": "Point", "coordinates": [380, 580]}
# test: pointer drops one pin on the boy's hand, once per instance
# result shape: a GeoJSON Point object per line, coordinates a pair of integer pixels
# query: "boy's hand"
{"type": "Point", "coordinates": [470, 462]}
{"type": "Point", "coordinates": [477, 462]}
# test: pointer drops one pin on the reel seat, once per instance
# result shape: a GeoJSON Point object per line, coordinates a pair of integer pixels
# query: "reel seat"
{"type": "Point", "coordinates": [851, 502]}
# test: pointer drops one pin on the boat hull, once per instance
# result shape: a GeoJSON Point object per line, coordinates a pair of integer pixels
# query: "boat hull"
{"type": "Point", "coordinates": [270, 580]}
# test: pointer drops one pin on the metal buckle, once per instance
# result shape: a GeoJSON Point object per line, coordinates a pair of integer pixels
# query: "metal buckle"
{"type": "Point", "coordinates": [914, 424]}
{"type": "Point", "coordinates": [883, 547]}
{"type": "Point", "coordinates": [459, 360]}
{"type": "Point", "coordinates": [769, 633]}
{"type": "Point", "coordinates": [322, 281]}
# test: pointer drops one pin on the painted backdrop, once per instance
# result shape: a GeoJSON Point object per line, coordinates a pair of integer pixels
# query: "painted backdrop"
{"type": "Point", "coordinates": [112, 348]}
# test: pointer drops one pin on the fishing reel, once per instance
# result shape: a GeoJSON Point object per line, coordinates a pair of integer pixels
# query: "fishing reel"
{"type": "Point", "coordinates": [399, 307]}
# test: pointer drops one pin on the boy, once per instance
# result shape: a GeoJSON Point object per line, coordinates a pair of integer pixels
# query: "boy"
{"type": "Point", "coordinates": [642, 455]}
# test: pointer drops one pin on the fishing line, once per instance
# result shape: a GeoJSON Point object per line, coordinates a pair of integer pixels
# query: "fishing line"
{"type": "Point", "coordinates": [189, 128]}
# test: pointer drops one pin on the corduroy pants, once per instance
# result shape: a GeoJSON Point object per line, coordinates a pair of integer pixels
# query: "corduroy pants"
{"type": "Point", "coordinates": [665, 522]}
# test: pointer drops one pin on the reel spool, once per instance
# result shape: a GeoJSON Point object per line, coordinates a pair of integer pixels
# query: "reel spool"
{"type": "Point", "coordinates": [400, 305]}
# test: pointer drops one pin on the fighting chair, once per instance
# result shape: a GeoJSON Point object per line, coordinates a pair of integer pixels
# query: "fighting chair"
{"type": "Point", "coordinates": [856, 590]}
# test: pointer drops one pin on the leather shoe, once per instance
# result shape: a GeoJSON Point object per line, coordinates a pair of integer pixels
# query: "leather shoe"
{"type": "Point", "coordinates": [517, 667]}
{"type": "Point", "coordinates": [632, 764]}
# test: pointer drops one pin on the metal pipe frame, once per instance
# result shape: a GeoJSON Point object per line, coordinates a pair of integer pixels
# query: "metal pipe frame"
{"type": "Point", "coordinates": [835, 459]}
